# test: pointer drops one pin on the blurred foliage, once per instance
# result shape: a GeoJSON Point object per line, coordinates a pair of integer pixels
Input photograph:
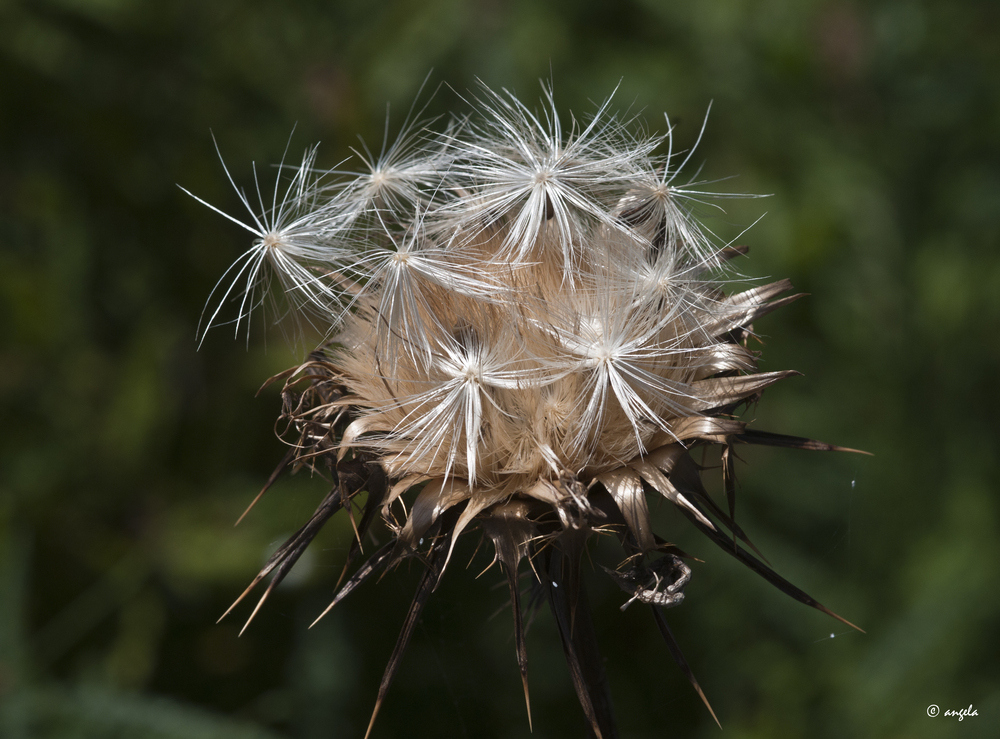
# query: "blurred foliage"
{"type": "Point", "coordinates": [127, 453]}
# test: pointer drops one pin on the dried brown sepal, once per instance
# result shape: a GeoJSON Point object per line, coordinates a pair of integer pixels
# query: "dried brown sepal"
{"type": "Point", "coordinates": [283, 465]}
{"type": "Point", "coordinates": [373, 564]}
{"type": "Point", "coordinates": [424, 590]}
{"type": "Point", "coordinates": [675, 652]}
{"type": "Point", "coordinates": [687, 478]}
{"type": "Point", "coordinates": [359, 475]}
{"type": "Point", "coordinates": [510, 529]}
{"type": "Point", "coordinates": [282, 561]}
{"type": "Point", "coordinates": [766, 572]}
{"type": "Point", "coordinates": [728, 460]}
{"type": "Point", "coordinates": [579, 641]}
{"type": "Point", "coordinates": [768, 438]}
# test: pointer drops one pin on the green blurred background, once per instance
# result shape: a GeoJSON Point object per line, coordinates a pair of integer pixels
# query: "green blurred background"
{"type": "Point", "coordinates": [127, 453]}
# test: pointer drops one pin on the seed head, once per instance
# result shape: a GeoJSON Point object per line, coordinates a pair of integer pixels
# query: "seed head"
{"type": "Point", "coordinates": [527, 334]}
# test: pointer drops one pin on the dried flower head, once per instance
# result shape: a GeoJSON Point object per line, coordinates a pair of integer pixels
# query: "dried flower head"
{"type": "Point", "coordinates": [528, 334]}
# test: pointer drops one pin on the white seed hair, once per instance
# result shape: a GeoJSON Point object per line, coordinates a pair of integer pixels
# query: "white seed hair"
{"type": "Point", "coordinates": [511, 296]}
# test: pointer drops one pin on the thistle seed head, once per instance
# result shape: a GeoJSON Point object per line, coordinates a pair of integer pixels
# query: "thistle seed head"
{"type": "Point", "coordinates": [527, 333]}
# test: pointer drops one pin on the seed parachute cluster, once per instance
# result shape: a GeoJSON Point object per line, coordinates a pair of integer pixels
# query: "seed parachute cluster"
{"type": "Point", "coordinates": [527, 335]}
